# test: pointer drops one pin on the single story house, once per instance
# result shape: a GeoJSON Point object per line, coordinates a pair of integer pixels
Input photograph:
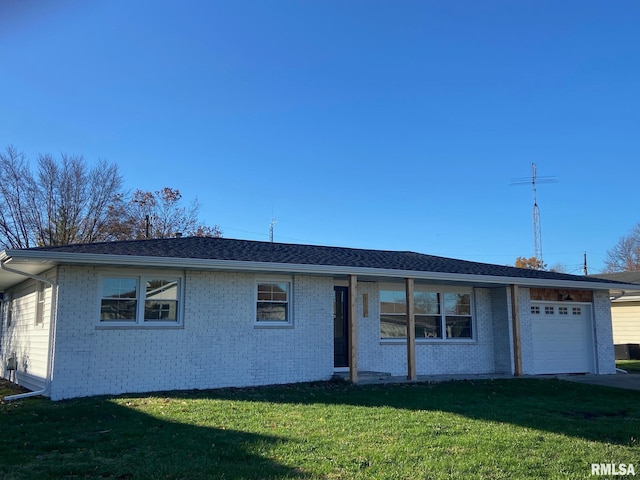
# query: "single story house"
{"type": "Point", "coordinates": [625, 316]}
{"type": "Point", "coordinates": [197, 313]}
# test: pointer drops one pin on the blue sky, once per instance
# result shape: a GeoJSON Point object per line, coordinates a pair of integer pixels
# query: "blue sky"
{"type": "Point", "coordinates": [375, 124]}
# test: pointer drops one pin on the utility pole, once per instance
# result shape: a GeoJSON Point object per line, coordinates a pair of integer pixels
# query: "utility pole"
{"type": "Point", "coordinates": [584, 268]}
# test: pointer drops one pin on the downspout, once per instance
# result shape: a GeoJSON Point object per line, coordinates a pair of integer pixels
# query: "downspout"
{"type": "Point", "coordinates": [615, 297]}
{"type": "Point", "coordinates": [52, 318]}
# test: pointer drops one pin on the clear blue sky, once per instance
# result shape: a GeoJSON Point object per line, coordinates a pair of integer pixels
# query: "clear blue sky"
{"type": "Point", "coordinates": [377, 124]}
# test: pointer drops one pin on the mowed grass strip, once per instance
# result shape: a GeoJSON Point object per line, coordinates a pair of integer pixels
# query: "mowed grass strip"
{"type": "Point", "coordinates": [520, 428]}
{"type": "Point", "coordinates": [631, 366]}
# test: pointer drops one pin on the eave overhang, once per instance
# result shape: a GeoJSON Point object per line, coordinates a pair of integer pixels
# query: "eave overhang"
{"type": "Point", "coordinates": [36, 262]}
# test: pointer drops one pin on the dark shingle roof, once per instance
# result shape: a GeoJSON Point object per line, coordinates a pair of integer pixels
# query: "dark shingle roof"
{"type": "Point", "coordinates": [207, 248]}
{"type": "Point", "coordinates": [626, 277]}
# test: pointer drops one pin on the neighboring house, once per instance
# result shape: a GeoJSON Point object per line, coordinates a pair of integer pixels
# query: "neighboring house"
{"type": "Point", "coordinates": [625, 316]}
{"type": "Point", "coordinates": [196, 313]}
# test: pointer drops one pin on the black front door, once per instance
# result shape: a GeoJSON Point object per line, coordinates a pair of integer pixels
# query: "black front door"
{"type": "Point", "coordinates": [341, 327]}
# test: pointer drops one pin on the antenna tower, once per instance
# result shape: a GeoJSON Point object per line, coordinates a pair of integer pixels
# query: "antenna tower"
{"type": "Point", "coordinates": [271, 225]}
{"type": "Point", "coordinates": [537, 229]}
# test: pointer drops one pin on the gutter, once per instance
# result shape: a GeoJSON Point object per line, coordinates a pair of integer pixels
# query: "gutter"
{"type": "Point", "coordinates": [615, 297]}
{"type": "Point", "coordinates": [52, 319]}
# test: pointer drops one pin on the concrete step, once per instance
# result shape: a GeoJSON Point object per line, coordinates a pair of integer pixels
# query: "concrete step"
{"type": "Point", "coordinates": [364, 376]}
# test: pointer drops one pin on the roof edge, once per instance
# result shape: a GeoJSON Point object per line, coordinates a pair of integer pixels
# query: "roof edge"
{"type": "Point", "coordinates": [249, 266]}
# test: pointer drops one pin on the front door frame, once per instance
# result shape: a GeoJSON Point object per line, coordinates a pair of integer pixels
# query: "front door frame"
{"type": "Point", "coordinates": [342, 357]}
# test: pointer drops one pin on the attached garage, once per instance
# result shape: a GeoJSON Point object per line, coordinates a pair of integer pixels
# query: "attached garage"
{"type": "Point", "coordinates": [562, 338]}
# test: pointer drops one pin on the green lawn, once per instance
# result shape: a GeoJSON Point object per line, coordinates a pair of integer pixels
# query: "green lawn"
{"type": "Point", "coordinates": [631, 366]}
{"type": "Point", "coordinates": [506, 429]}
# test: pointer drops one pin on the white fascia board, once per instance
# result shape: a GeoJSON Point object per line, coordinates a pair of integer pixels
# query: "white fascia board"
{"type": "Point", "coordinates": [246, 266]}
{"type": "Point", "coordinates": [635, 297]}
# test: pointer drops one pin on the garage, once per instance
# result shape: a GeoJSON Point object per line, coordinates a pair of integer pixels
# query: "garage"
{"type": "Point", "coordinates": [562, 338]}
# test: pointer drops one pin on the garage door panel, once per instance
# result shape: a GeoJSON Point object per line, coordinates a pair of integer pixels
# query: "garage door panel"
{"type": "Point", "coordinates": [562, 342]}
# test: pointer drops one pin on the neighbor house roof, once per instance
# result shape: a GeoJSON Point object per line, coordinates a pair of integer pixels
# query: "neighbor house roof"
{"type": "Point", "coordinates": [246, 255]}
{"type": "Point", "coordinates": [626, 277]}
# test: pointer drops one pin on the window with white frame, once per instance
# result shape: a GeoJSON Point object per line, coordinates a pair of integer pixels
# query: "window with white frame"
{"type": "Point", "coordinates": [7, 305]}
{"type": "Point", "coordinates": [148, 300]}
{"type": "Point", "coordinates": [40, 303]}
{"type": "Point", "coordinates": [440, 314]}
{"type": "Point", "coordinates": [273, 305]}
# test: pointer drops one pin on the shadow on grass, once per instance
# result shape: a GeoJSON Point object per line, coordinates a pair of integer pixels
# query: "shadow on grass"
{"type": "Point", "coordinates": [101, 439]}
{"type": "Point", "coordinates": [583, 411]}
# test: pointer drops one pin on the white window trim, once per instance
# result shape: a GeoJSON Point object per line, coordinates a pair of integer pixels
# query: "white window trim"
{"type": "Point", "coordinates": [7, 306]}
{"type": "Point", "coordinates": [40, 303]}
{"type": "Point", "coordinates": [441, 290]}
{"type": "Point", "coordinates": [139, 320]}
{"type": "Point", "coordinates": [273, 324]}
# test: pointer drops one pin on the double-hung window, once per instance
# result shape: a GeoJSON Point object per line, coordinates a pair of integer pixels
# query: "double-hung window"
{"type": "Point", "coordinates": [273, 304]}
{"type": "Point", "coordinates": [140, 300]}
{"type": "Point", "coordinates": [442, 314]}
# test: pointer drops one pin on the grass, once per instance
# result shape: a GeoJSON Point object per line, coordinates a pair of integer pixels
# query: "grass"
{"type": "Point", "coordinates": [631, 366]}
{"type": "Point", "coordinates": [506, 429]}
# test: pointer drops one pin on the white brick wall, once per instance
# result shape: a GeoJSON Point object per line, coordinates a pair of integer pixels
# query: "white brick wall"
{"type": "Point", "coordinates": [502, 329]}
{"type": "Point", "coordinates": [218, 346]}
{"type": "Point", "coordinates": [605, 354]}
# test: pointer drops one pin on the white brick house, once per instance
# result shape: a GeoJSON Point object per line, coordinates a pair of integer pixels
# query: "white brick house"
{"type": "Point", "coordinates": [196, 313]}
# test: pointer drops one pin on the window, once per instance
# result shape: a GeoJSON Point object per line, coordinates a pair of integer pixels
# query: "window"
{"type": "Point", "coordinates": [427, 314]}
{"type": "Point", "coordinates": [535, 309]}
{"type": "Point", "coordinates": [577, 311]}
{"type": "Point", "coordinates": [8, 305]}
{"type": "Point", "coordinates": [548, 310]}
{"type": "Point", "coordinates": [438, 314]}
{"type": "Point", "coordinates": [40, 303]}
{"type": "Point", "coordinates": [140, 300]}
{"type": "Point", "coordinates": [458, 315]}
{"type": "Point", "coordinates": [393, 314]}
{"type": "Point", "coordinates": [272, 306]}
{"type": "Point", "coordinates": [563, 310]}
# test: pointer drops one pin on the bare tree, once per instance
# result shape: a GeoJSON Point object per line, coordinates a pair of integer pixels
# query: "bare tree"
{"type": "Point", "coordinates": [16, 189]}
{"type": "Point", "coordinates": [625, 255]}
{"type": "Point", "coordinates": [64, 202]}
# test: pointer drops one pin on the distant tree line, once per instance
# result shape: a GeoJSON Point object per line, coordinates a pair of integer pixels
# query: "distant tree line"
{"type": "Point", "coordinates": [66, 201]}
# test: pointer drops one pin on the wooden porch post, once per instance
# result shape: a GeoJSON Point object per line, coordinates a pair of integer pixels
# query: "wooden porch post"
{"type": "Point", "coordinates": [411, 332]}
{"type": "Point", "coordinates": [515, 319]}
{"type": "Point", "coordinates": [353, 328]}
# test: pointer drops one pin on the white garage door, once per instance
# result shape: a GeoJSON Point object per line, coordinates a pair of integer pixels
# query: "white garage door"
{"type": "Point", "coordinates": [562, 338]}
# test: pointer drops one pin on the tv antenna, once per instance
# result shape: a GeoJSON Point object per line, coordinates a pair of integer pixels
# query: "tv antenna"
{"type": "Point", "coordinates": [537, 229]}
